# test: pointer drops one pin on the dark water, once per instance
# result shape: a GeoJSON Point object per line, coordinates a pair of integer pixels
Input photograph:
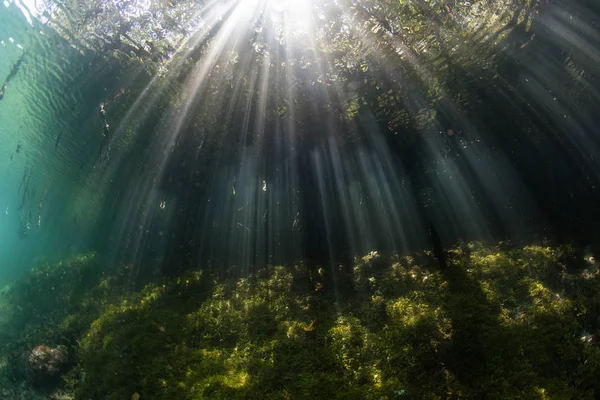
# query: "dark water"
{"type": "Point", "coordinates": [199, 138]}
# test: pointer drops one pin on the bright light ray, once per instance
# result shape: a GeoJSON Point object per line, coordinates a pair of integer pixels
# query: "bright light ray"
{"type": "Point", "coordinates": [376, 177]}
{"type": "Point", "coordinates": [373, 174]}
{"type": "Point", "coordinates": [467, 217]}
{"type": "Point", "coordinates": [376, 200]}
{"type": "Point", "coordinates": [143, 194]}
{"type": "Point", "coordinates": [237, 18]}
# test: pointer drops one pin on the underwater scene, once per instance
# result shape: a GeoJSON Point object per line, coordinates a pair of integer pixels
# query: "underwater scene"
{"type": "Point", "coordinates": [299, 199]}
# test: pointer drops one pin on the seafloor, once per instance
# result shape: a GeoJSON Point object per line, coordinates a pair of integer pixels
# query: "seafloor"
{"type": "Point", "coordinates": [496, 322]}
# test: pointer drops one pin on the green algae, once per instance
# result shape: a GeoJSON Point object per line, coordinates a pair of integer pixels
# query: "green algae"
{"type": "Point", "coordinates": [496, 322]}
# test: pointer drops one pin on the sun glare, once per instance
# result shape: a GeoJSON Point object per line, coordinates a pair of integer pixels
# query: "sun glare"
{"type": "Point", "coordinates": [295, 9]}
{"type": "Point", "coordinates": [294, 15]}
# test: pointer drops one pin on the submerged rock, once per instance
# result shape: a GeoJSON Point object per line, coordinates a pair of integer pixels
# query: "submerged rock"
{"type": "Point", "coordinates": [45, 364]}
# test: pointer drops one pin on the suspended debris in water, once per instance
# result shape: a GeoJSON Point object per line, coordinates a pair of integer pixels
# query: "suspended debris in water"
{"type": "Point", "coordinates": [106, 128]}
{"type": "Point", "coordinates": [18, 149]}
{"type": "Point", "coordinates": [105, 134]}
{"type": "Point", "coordinates": [427, 197]}
{"type": "Point", "coordinates": [6, 211]}
{"type": "Point", "coordinates": [39, 222]}
{"type": "Point", "coordinates": [264, 186]}
{"type": "Point", "coordinates": [240, 225]}
{"type": "Point", "coordinates": [163, 204]}
{"type": "Point", "coordinates": [24, 229]}
{"type": "Point", "coordinates": [102, 111]}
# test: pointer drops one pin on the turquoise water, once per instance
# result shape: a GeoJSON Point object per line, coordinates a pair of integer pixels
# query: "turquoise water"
{"type": "Point", "coordinates": [33, 100]}
{"type": "Point", "coordinates": [50, 138]}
